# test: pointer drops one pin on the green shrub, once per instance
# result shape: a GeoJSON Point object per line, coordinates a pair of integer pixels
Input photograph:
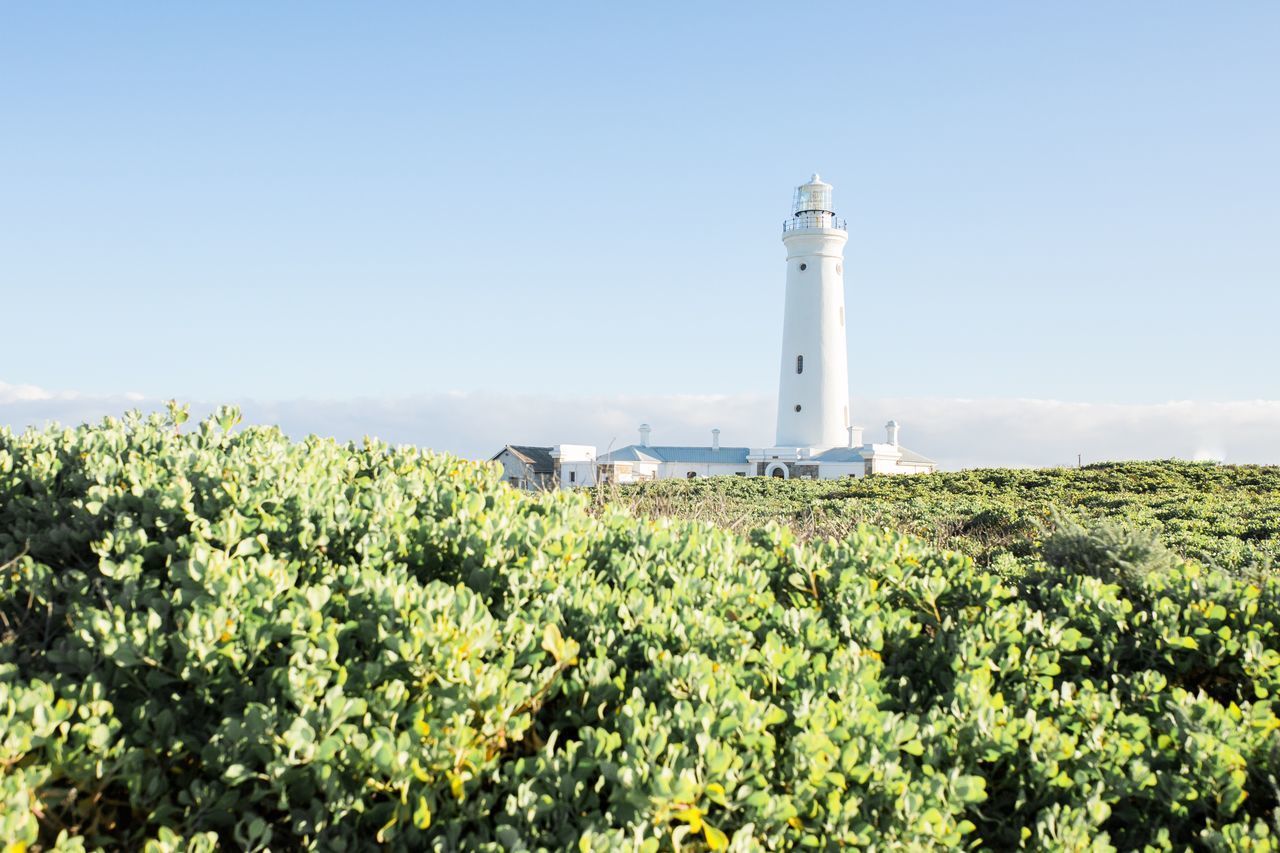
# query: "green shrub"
{"type": "Point", "coordinates": [1107, 551]}
{"type": "Point", "coordinates": [224, 638]}
{"type": "Point", "coordinates": [1224, 515]}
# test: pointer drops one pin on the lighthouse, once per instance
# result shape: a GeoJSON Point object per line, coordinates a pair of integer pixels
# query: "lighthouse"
{"type": "Point", "coordinates": [813, 388]}
{"type": "Point", "coordinates": [815, 438]}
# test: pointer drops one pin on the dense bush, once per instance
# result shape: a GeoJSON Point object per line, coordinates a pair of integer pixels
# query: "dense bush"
{"type": "Point", "coordinates": [220, 637]}
{"type": "Point", "coordinates": [1224, 515]}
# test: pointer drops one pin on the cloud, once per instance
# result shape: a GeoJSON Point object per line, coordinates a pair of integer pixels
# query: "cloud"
{"type": "Point", "coordinates": [22, 393]}
{"type": "Point", "coordinates": [10, 394]}
{"type": "Point", "coordinates": [1016, 432]}
{"type": "Point", "coordinates": [957, 433]}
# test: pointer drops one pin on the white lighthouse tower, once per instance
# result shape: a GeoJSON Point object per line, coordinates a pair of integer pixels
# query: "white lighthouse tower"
{"type": "Point", "coordinates": [815, 440]}
{"type": "Point", "coordinates": [813, 391]}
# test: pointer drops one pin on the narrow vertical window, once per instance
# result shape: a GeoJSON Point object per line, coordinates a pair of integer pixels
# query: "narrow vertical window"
{"type": "Point", "coordinates": [573, 476]}
{"type": "Point", "coordinates": [799, 364]}
{"type": "Point", "coordinates": [842, 316]}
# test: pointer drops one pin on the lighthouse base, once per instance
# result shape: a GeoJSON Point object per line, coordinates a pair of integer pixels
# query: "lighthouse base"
{"type": "Point", "coordinates": [836, 463]}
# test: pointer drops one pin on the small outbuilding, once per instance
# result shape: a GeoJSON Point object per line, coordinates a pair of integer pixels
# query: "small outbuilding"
{"type": "Point", "coordinates": [526, 467]}
{"type": "Point", "coordinates": [536, 468]}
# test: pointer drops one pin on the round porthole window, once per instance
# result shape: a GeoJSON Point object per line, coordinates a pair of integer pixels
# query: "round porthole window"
{"type": "Point", "coordinates": [803, 267]}
{"type": "Point", "coordinates": [797, 407]}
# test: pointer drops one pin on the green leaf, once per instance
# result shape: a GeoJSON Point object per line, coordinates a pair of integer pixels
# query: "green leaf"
{"type": "Point", "coordinates": [971, 789]}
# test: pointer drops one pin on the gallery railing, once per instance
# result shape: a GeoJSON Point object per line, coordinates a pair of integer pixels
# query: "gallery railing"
{"type": "Point", "coordinates": [814, 219]}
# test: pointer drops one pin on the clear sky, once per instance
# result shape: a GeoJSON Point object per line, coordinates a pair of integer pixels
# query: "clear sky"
{"type": "Point", "coordinates": [223, 201]}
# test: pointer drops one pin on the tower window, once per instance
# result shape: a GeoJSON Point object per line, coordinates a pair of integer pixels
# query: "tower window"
{"type": "Point", "coordinates": [842, 316]}
{"type": "Point", "coordinates": [803, 267]}
{"type": "Point", "coordinates": [799, 364]}
{"type": "Point", "coordinates": [797, 407]}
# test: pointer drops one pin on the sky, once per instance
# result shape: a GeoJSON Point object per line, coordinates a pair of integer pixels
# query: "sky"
{"type": "Point", "coordinates": [461, 224]}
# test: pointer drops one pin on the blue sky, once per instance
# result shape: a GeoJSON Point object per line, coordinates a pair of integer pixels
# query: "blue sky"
{"type": "Point", "coordinates": [238, 201]}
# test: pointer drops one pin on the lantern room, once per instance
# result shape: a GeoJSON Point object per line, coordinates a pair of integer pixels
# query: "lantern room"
{"type": "Point", "coordinates": [812, 208]}
{"type": "Point", "coordinates": [813, 197]}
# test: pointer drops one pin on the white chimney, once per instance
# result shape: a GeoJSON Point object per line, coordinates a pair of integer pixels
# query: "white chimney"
{"type": "Point", "coordinates": [644, 435]}
{"type": "Point", "coordinates": [715, 439]}
{"type": "Point", "coordinates": [892, 429]}
{"type": "Point", "coordinates": [855, 436]}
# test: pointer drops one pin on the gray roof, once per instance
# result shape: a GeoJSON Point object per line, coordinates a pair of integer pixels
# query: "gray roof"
{"type": "Point", "coordinates": [840, 454]}
{"type": "Point", "coordinates": [643, 453]}
{"type": "Point", "coordinates": [912, 456]}
{"type": "Point", "coordinates": [854, 455]}
{"type": "Point", "coordinates": [537, 458]}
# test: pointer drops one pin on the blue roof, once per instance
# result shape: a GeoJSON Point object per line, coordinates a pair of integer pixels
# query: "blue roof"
{"type": "Point", "coordinates": [631, 453]}
{"type": "Point", "coordinates": [642, 453]}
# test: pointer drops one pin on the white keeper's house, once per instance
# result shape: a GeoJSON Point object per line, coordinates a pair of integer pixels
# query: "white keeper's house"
{"type": "Point", "coordinates": [815, 438]}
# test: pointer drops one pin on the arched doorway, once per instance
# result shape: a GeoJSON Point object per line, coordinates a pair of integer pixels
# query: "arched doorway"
{"type": "Point", "coordinates": [777, 469]}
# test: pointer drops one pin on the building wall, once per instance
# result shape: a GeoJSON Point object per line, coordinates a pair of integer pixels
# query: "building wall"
{"type": "Point", "coordinates": [887, 459]}
{"type": "Point", "coordinates": [841, 470]}
{"type": "Point", "coordinates": [627, 472]}
{"type": "Point", "coordinates": [681, 470]}
{"type": "Point", "coordinates": [575, 474]}
{"type": "Point", "coordinates": [575, 465]}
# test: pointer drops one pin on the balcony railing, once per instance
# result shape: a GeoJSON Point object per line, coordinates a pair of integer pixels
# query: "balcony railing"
{"type": "Point", "coordinates": [813, 219]}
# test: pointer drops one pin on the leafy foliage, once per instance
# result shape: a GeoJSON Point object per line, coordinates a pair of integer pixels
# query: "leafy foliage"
{"type": "Point", "coordinates": [223, 638]}
{"type": "Point", "coordinates": [1224, 515]}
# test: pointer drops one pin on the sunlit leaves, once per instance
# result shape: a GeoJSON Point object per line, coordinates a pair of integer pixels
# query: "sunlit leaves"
{"type": "Point", "coordinates": [217, 636]}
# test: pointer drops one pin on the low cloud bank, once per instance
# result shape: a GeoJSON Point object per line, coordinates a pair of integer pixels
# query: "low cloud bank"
{"type": "Point", "coordinates": [1003, 432]}
{"type": "Point", "coordinates": [956, 433]}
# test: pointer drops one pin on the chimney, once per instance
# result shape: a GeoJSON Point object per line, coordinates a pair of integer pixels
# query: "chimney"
{"type": "Point", "coordinates": [715, 439]}
{"type": "Point", "coordinates": [892, 429]}
{"type": "Point", "coordinates": [644, 435]}
{"type": "Point", "coordinates": [855, 436]}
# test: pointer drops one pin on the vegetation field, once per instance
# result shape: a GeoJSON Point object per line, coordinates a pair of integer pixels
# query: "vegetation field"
{"type": "Point", "coordinates": [1223, 515]}
{"type": "Point", "coordinates": [215, 637]}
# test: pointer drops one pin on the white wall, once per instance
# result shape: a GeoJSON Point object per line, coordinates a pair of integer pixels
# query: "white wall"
{"type": "Point", "coordinates": [574, 474]}
{"type": "Point", "coordinates": [574, 452]}
{"type": "Point", "coordinates": [680, 470]}
{"type": "Point", "coordinates": [887, 459]}
{"type": "Point", "coordinates": [575, 465]}
{"type": "Point", "coordinates": [841, 470]}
